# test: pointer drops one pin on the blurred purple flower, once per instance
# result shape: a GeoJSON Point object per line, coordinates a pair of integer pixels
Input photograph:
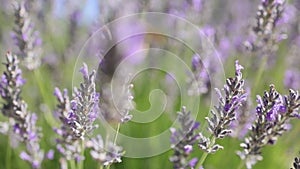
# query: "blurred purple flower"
{"type": "Point", "coordinates": [50, 154]}
{"type": "Point", "coordinates": [22, 122]}
{"type": "Point", "coordinates": [84, 70]}
{"type": "Point", "coordinates": [77, 116]}
{"type": "Point", "coordinates": [26, 38]}
{"type": "Point", "coordinates": [131, 39]}
{"type": "Point", "coordinates": [292, 79]}
{"type": "Point", "coordinates": [183, 139]}
{"type": "Point", "coordinates": [199, 82]}
{"type": "Point", "coordinates": [193, 162]}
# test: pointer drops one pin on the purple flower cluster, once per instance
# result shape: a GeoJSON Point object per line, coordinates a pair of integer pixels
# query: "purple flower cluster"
{"type": "Point", "coordinates": [22, 125]}
{"type": "Point", "coordinates": [77, 116]}
{"type": "Point", "coordinates": [67, 144]}
{"type": "Point", "coordinates": [264, 35]}
{"type": "Point", "coordinates": [183, 140]}
{"type": "Point", "coordinates": [225, 111]}
{"type": "Point", "coordinates": [200, 82]}
{"type": "Point", "coordinates": [273, 113]}
{"type": "Point", "coordinates": [26, 38]}
{"type": "Point", "coordinates": [292, 79]}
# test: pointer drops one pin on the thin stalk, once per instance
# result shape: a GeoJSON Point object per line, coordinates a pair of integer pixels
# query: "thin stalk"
{"type": "Point", "coordinates": [205, 154]}
{"type": "Point", "coordinates": [101, 166]}
{"type": "Point", "coordinates": [241, 165]}
{"type": "Point", "coordinates": [116, 136]}
{"type": "Point", "coordinates": [260, 72]}
{"type": "Point", "coordinates": [115, 140]}
{"type": "Point", "coordinates": [8, 154]}
{"type": "Point", "coordinates": [80, 165]}
{"type": "Point", "coordinates": [202, 159]}
{"type": "Point", "coordinates": [72, 164]}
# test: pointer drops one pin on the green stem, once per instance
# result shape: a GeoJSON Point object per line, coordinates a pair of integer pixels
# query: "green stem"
{"type": "Point", "coordinates": [201, 161]}
{"type": "Point", "coordinates": [116, 136]}
{"type": "Point", "coordinates": [8, 154]}
{"type": "Point", "coordinates": [72, 164]}
{"type": "Point", "coordinates": [80, 165]}
{"type": "Point", "coordinates": [205, 154]}
{"type": "Point", "coordinates": [260, 73]}
{"type": "Point", "coordinates": [101, 166]}
{"type": "Point", "coordinates": [241, 165]}
{"type": "Point", "coordinates": [115, 140]}
{"type": "Point", "coordinates": [48, 115]}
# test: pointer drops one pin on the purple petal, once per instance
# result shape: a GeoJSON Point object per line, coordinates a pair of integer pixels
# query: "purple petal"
{"type": "Point", "coordinates": [24, 156]}
{"type": "Point", "coordinates": [196, 126]}
{"type": "Point", "coordinates": [50, 154]}
{"type": "Point", "coordinates": [188, 149]}
{"type": "Point", "coordinates": [20, 81]}
{"type": "Point", "coordinates": [227, 107]}
{"type": "Point", "coordinates": [73, 105]}
{"type": "Point", "coordinates": [193, 162]}
{"type": "Point", "coordinates": [282, 109]}
{"type": "Point", "coordinates": [197, 4]}
{"type": "Point", "coordinates": [58, 94]}
{"type": "Point", "coordinates": [84, 70]}
{"type": "Point", "coordinates": [4, 79]}
{"type": "Point", "coordinates": [195, 62]}
{"type": "Point", "coordinates": [60, 149]}
{"type": "Point", "coordinates": [238, 67]}
{"type": "Point", "coordinates": [36, 164]}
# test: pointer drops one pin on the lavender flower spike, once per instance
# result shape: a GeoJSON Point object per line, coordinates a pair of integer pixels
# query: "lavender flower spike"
{"type": "Point", "coordinates": [225, 111]}
{"type": "Point", "coordinates": [183, 139]}
{"type": "Point", "coordinates": [26, 39]}
{"type": "Point", "coordinates": [199, 83]}
{"type": "Point", "coordinates": [85, 105]}
{"type": "Point", "coordinates": [273, 115]}
{"type": "Point", "coordinates": [77, 116]}
{"type": "Point", "coordinates": [264, 32]}
{"type": "Point", "coordinates": [22, 124]}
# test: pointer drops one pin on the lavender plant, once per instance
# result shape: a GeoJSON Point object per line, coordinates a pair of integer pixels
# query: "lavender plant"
{"type": "Point", "coordinates": [22, 123]}
{"type": "Point", "coordinates": [26, 38]}
{"type": "Point", "coordinates": [77, 117]}
{"type": "Point", "coordinates": [183, 140]}
{"type": "Point", "coordinates": [273, 114]}
{"type": "Point", "coordinates": [224, 113]}
{"type": "Point", "coordinates": [200, 82]}
{"type": "Point", "coordinates": [265, 35]}
{"type": "Point", "coordinates": [218, 124]}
